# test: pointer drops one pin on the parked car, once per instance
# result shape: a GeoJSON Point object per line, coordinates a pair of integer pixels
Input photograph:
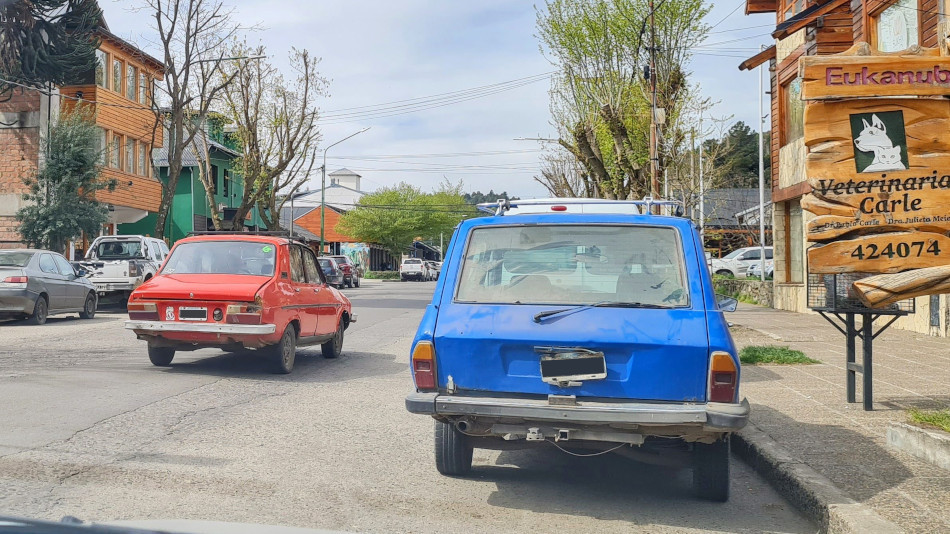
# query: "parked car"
{"type": "Point", "coordinates": [35, 284]}
{"type": "Point", "coordinates": [755, 270]}
{"type": "Point", "coordinates": [431, 272]}
{"type": "Point", "coordinates": [590, 331]}
{"type": "Point", "coordinates": [351, 272]}
{"type": "Point", "coordinates": [118, 264]}
{"type": "Point", "coordinates": [738, 261]}
{"type": "Point", "coordinates": [332, 271]}
{"type": "Point", "coordinates": [412, 269]}
{"type": "Point", "coordinates": [238, 291]}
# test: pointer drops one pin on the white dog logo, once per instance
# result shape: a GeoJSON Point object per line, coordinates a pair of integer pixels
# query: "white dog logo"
{"type": "Point", "coordinates": [873, 138]}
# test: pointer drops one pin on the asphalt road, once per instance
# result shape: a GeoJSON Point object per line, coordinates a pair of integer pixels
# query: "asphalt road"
{"type": "Point", "coordinates": [89, 428]}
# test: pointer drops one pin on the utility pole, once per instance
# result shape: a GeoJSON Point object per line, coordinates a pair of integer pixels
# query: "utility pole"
{"type": "Point", "coordinates": [761, 182]}
{"type": "Point", "coordinates": [654, 158]}
{"type": "Point", "coordinates": [323, 189]}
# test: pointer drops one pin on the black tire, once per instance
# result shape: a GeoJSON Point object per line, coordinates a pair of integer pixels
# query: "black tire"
{"type": "Point", "coordinates": [89, 307]}
{"type": "Point", "coordinates": [284, 353]}
{"type": "Point", "coordinates": [711, 470]}
{"type": "Point", "coordinates": [161, 356]}
{"type": "Point", "coordinates": [334, 348]}
{"type": "Point", "coordinates": [453, 452]}
{"type": "Point", "coordinates": [724, 272]}
{"type": "Point", "coordinates": [356, 282]}
{"type": "Point", "coordinates": [348, 283]}
{"type": "Point", "coordinates": [40, 311]}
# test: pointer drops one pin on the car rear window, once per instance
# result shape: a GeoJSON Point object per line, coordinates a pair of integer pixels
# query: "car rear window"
{"type": "Point", "coordinates": [222, 257]}
{"type": "Point", "coordinates": [15, 259]}
{"type": "Point", "coordinates": [412, 262]}
{"type": "Point", "coordinates": [574, 264]}
{"type": "Point", "coordinates": [117, 250]}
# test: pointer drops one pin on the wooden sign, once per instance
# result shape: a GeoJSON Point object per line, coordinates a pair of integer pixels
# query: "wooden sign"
{"type": "Point", "coordinates": [885, 289]}
{"type": "Point", "coordinates": [860, 72]}
{"type": "Point", "coordinates": [881, 253]}
{"type": "Point", "coordinates": [877, 165]}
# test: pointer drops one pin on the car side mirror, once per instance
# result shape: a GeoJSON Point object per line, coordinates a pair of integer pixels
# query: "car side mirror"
{"type": "Point", "coordinates": [81, 273]}
{"type": "Point", "coordinates": [726, 304]}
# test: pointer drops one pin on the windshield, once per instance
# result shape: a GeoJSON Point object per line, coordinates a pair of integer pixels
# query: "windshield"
{"type": "Point", "coordinates": [326, 265]}
{"type": "Point", "coordinates": [222, 257]}
{"type": "Point", "coordinates": [573, 264]}
{"type": "Point", "coordinates": [733, 254]}
{"type": "Point", "coordinates": [15, 259]}
{"type": "Point", "coordinates": [117, 250]}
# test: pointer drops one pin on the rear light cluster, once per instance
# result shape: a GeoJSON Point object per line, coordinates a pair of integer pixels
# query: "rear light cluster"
{"type": "Point", "coordinates": [423, 365]}
{"type": "Point", "coordinates": [243, 314]}
{"type": "Point", "coordinates": [723, 377]}
{"type": "Point", "coordinates": [143, 311]}
{"type": "Point", "coordinates": [345, 267]}
{"type": "Point", "coordinates": [558, 208]}
{"type": "Point", "coordinates": [133, 269]}
{"type": "Point", "coordinates": [15, 282]}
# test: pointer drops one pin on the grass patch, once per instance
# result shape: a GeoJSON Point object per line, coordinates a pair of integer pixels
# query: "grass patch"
{"type": "Point", "coordinates": [756, 354]}
{"type": "Point", "coordinates": [381, 275]}
{"type": "Point", "coordinates": [933, 418]}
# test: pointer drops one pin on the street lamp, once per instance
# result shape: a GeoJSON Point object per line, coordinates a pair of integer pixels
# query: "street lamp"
{"type": "Point", "coordinates": [323, 185]}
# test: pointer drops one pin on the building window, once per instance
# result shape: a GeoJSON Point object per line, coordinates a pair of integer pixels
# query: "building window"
{"type": "Point", "coordinates": [794, 111]}
{"type": "Point", "coordinates": [102, 60]}
{"type": "Point", "coordinates": [141, 167]}
{"type": "Point", "coordinates": [129, 155]}
{"type": "Point", "coordinates": [142, 88]}
{"type": "Point", "coordinates": [897, 27]}
{"type": "Point", "coordinates": [794, 243]}
{"type": "Point", "coordinates": [130, 77]}
{"type": "Point", "coordinates": [114, 151]}
{"type": "Point", "coordinates": [117, 75]}
{"type": "Point", "coordinates": [214, 178]}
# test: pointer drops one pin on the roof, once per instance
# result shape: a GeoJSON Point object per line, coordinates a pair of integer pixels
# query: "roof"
{"type": "Point", "coordinates": [758, 59]}
{"type": "Point", "coordinates": [137, 52]}
{"type": "Point", "coordinates": [722, 205]}
{"type": "Point", "coordinates": [235, 236]}
{"type": "Point", "coordinates": [285, 218]}
{"type": "Point", "coordinates": [806, 17]}
{"type": "Point", "coordinates": [190, 157]}
{"type": "Point", "coordinates": [343, 172]}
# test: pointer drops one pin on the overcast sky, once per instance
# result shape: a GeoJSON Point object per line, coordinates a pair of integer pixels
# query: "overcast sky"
{"type": "Point", "coordinates": [383, 51]}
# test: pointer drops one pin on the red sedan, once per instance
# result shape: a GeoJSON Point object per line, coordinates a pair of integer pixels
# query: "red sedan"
{"type": "Point", "coordinates": [237, 291]}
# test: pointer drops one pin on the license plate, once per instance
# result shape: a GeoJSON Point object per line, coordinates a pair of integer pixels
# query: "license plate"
{"type": "Point", "coordinates": [192, 314]}
{"type": "Point", "coordinates": [559, 365]}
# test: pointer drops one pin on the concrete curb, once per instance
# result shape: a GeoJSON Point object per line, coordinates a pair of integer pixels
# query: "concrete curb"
{"type": "Point", "coordinates": [809, 491]}
{"type": "Point", "coordinates": [932, 446]}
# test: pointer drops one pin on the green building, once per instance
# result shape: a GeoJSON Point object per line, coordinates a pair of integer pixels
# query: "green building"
{"type": "Point", "coordinates": [190, 211]}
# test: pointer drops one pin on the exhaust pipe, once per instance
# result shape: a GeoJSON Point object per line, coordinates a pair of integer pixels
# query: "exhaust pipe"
{"type": "Point", "coordinates": [463, 425]}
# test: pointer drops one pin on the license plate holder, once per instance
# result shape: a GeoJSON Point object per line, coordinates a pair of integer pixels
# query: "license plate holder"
{"type": "Point", "coordinates": [560, 365]}
{"type": "Point", "coordinates": [192, 314]}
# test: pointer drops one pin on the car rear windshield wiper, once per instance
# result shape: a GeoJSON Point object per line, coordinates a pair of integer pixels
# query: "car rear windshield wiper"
{"type": "Point", "coordinates": [602, 304]}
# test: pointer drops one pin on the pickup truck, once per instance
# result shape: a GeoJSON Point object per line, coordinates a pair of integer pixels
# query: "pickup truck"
{"type": "Point", "coordinates": [582, 327]}
{"type": "Point", "coordinates": [412, 268]}
{"type": "Point", "coordinates": [117, 264]}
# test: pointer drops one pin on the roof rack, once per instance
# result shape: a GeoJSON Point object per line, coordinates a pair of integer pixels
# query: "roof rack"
{"type": "Point", "coordinates": [274, 233]}
{"type": "Point", "coordinates": [598, 205]}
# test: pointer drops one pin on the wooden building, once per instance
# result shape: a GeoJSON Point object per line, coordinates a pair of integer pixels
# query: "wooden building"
{"type": "Point", "coordinates": [806, 28]}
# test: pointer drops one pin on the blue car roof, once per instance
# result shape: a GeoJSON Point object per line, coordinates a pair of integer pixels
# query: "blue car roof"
{"type": "Point", "coordinates": [579, 218]}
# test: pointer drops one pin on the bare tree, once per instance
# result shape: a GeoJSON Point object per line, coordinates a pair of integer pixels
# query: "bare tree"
{"type": "Point", "coordinates": [563, 175]}
{"type": "Point", "coordinates": [276, 123]}
{"type": "Point", "coordinates": [193, 34]}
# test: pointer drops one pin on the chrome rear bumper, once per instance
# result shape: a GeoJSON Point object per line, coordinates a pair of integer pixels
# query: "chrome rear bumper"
{"type": "Point", "coordinates": [207, 328]}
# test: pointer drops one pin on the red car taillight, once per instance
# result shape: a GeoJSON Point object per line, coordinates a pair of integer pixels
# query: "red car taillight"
{"type": "Point", "coordinates": [723, 377]}
{"type": "Point", "coordinates": [423, 365]}
{"type": "Point", "coordinates": [346, 268]}
{"type": "Point", "coordinates": [143, 311]}
{"type": "Point", "coordinates": [244, 314]}
{"type": "Point", "coordinates": [16, 280]}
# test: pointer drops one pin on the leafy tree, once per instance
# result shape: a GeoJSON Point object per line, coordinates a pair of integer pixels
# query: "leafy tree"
{"type": "Point", "coordinates": [47, 41]}
{"type": "Point", "coordinates": [491, 196]}
{"type": "Point", "coordinates": [61, 198]}
{"type": "Point", "coordinates": [394, 217]}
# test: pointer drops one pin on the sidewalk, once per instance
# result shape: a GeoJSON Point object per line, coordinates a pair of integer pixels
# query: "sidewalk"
{"type": "Point", "coordinates": [803, 408]}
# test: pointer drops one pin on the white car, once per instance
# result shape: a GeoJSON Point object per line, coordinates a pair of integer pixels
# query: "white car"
{"type": "Point", "coordinates": [738, 261]}
{"type": "Point", "coordinates": [412, 268]}
{"type": "Point", "coordinates": [117, 264]}
{"type": "Point", "coordinates": [755, 272]}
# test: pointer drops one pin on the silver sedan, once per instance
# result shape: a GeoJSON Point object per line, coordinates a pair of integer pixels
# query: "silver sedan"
{"type": "Point", "coordinates": [37, 283]}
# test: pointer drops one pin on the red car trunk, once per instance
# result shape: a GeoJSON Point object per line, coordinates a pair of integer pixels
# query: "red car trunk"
{"type": "Point", "coordinates": [209, 287]}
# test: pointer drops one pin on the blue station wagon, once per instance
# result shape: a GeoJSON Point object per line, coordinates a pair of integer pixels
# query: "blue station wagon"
{"type": "Point", "coordinates": [586, 324]}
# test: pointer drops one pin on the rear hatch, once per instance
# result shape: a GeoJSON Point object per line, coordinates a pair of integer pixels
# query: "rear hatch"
{"type": "Point", "coordinates": [207, 287]}
{"type": "Point", "coordinates": [650, 324]}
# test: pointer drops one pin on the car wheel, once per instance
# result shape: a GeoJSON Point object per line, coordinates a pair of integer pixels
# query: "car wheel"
{"type": "Point", "coordinates": [348, 283]}
{"type": "Point", "coordinates": [711, 470]}
{"type": "Point", "coordinates": [356, 282]}
{"type": "Point", "coordinates": [453, 452]}
{"type": "Point", "coordinates": [161, 356]}
{"type": "Point", "coordinates": [334, 347]}
{"type": "Point", "coordinates": [724, 272]}
{"type": "Point", "coordinates": [40, 311]}
{"type": "Point", "coordinates": [89, 307]}
{"type": "Point", "coordinates": [284, 352]}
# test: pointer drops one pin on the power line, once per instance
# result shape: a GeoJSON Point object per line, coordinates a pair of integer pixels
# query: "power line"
{"type": "Point", "coordinates": [741, 3]}
{"type": "Point", "coordinates": [441, 154]}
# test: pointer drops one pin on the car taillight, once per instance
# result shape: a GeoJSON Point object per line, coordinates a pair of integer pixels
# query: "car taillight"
{"type": "Point", "coordinates": [423, 365]}
{"type": "Point", "coordinates": [143, 311]}
{"type": "Point", "coordinates": [16, 282]}
{"type": "Point", "coordinates": [723, 377]}
{"type": "Point", "coordinates": [244, 314]}
{"type": "Point", "coordinates": [133, 269]}
{"type": "Point", "coordinates": [558, 208]}
{"type": "Point", "coordinates": [345, 267]}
